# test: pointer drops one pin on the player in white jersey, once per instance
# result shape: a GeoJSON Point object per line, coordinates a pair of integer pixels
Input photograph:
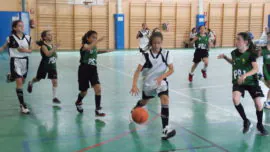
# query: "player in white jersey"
{"type": "Point", "coordinates": [19, 50]}
{"type": "Point", "coordinates": [154, 65]}
{"type": "Point", "coordinates": [143, 36]}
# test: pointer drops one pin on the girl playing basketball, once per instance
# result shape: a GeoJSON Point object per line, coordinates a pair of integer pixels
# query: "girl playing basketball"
{"type": "Point", "coordinates": [88, 71]}
{"type": "Point", "coordinates": [154, 64]}
{"type": "Point", "coordinates": [265, 53]}
{"type": "Point", "coordinates": [202, 43]}
{"type": "Point", "coordinates": [47, 64]}
{"type": "Point", "coordinates": [244, 75]}
{"type": "Point", "coordinates": [19, 45]}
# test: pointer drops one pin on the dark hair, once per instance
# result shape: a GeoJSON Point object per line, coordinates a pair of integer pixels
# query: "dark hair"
{"type": "Point", "coordinates": [193, 29]}
{"type": "Point", "coordinates": [87, 35]}
{"type": "Point", "coordinates": [43, 35]}
{"type": "Point", "coordinates": [268, 33]}
{"type": "Point", "coordinates": [155, 29]}
{"type": "Point", "coordinates": [251, 45]}
{"type": "Point", "coordinates": [154, 35]}
{"type": "Point", "coordinates": [14, 24]}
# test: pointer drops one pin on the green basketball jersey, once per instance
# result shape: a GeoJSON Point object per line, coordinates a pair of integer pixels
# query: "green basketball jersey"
{"type": "Point", "coordinates": [266, 55]}
{"type": "Point", "coordinates": [241, 65]}
{"type": "Point", "coordinates": [202, 42]}
{"type": "Point", "coordinates": [89, 57]}
{"type": "Point", "coordinates": [48, 62]}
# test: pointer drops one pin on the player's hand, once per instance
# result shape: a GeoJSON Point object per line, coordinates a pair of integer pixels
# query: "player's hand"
{"type": "Point", "coordinates": [221, 56]}
{"type": "Point", "coordinates": [242, 79]}
{"type": "Point", "coordinates": [101, 39]}
{"type": "Point", "coordinates": [1, 49]}
{"type": "Point", "coordinates": [24, 50]}
{"type": "Point", "coordinates": [134, 90]}
{"type": "Point", "coordinates": [57, 45]}
{"type": "Point", "coordinates": [159, 79]}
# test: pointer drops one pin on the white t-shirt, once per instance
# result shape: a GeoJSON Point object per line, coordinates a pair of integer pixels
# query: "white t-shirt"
{"type": "Point", "coordinates": [192, 35]}
{"type": "Point", "coordinates": [158, 68]}
{"type": "Point", "coordinates": [144, 40]}
{"type": "Point", "coordinates": [14, 42]}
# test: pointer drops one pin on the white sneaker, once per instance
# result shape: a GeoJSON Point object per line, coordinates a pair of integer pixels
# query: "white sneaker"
{"type": "Point", "coordinates": [266, 104]}
{"type": "Point", "coordinates": [24, 109]}
{"type": "Point", "coordinates": [168, 133]}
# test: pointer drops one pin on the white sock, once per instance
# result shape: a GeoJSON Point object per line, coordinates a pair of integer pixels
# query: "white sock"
{"type": "Point", "coordinates": [192, 73]}
{"type": "Point", "coordinates": [54, 92]}
{"type": "Point", "coordinates": [205, 68]}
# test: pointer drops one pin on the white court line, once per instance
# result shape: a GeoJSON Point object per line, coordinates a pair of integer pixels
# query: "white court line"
{"type": "Point", "coordinates": [193, 99]}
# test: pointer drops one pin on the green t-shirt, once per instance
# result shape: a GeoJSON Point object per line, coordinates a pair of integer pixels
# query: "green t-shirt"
{"type": "Point", "coordinates": [48, 62]}
{"type": "Point", "coordinates": [202, 42]}
{"type": "Point", "coordinates": [89, 57]}
{"type": "Point", "coordinates": [242, 63]}
{"type": "Point", "coordinates": [266, 55]}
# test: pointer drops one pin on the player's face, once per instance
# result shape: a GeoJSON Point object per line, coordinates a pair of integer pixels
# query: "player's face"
{"type": "Point", "coordinates": [202, 30]}
{"type": "Point", "coordinates": [19, 27]}
{"type": "Point", "coordinates": [92, 38]}
{"type": "Point", "coordinates": [156, 43]}
{"type": "Point", "coordinates": [49, 36]}
{"type": "Point", "coordinates": [240, 42]}
{"type": "Point", "coordinates": [144, 26]}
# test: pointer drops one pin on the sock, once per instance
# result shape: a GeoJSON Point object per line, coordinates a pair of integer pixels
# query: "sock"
{"type": "Point", "coordinates": [20, 96]}
{"type": "Point", "coordinates": [139, 104]}
{"type": "Point", "coordinates": [241, 111]}
{"type": "Point", "coordinates": [98, 100]}
{"type": "Point", "coordinates": [191, 73]}
{"type": "Point", "coordinates": [54, 92]}
{"type": "Point", "coordinates": [165, 115]}
{"type": "Point", "coordinates": [259, 116]}
{"type": "Point", "coordinates": [204, 68]}
{"type": "Point", "coordinates": [80, 98]}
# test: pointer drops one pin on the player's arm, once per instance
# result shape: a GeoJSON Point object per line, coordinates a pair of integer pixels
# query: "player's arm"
{"type": "Point", "coordinates": [48, 53]}
{"type": "Point", "coordinates": [134, 90]}
{"type": "Point", "coordinates": [167, 74]}
{"type": "Point", "coordinates": [24, 50]}
{"type": "Point", "coordinates": [138, 35]}
{"type": "Point", "coordinates": [89, 47]}
{"type": "Point", "coordinates": [223, 56]}
{"type": "Point", "coordinates": [4, 47]}
{"type": "Point", "coordinates": [253, 71]}
{"type": "Point", "coordinates": [195, 39]}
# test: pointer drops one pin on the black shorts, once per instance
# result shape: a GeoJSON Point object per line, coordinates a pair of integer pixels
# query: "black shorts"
{"type": "Point", "coordinates": [19, 67]}
{"type": "Point", "coordinates": [43, 72]}
{"type": "Point", "coordinates": [254, 91]}
{"type": "Point", "coordinates": [199, 55]}
{"type": "Point", "coordinates": [144, 97]}
{"type": "Point", "coordinates": [86, 74]}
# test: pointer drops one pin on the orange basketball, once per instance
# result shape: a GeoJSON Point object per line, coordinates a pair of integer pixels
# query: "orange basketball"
{"type": "Point", "coordinates": [139, 115]}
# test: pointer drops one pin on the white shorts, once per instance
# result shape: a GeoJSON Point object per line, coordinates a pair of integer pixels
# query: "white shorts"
{"type": "Point", "coordinates": [150, 91]}
{"type": "Point", "coordinates": [19, 67]}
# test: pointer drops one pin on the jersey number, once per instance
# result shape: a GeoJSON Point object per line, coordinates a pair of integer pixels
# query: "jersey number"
{"type": "Point", "coordinates": [52, 60]}
{"type": "Point", "coordinates": [91, 61]}
{"type": "Point", "coordinates": [202, 46]}
{"type": "Point", "coordinates": [238, 73]}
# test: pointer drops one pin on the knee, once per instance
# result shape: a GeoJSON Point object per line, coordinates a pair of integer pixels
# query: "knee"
{"type": "Point", "coordinates": [83, 93]}
{"type": "Point", "coordinates": [236, 100]}
{"type": "Point", "coordinates": [97, 90]}
{"type": "Point", "coordinates": [164, 100]}
{"type": "Point", "coordinates": [143, 102]}
{"type": "Point", "coordinates": [54, 83]}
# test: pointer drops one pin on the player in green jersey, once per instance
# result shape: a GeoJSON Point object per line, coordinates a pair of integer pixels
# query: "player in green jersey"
{"type": "Point", "coordinates": [244, 77]}
{"type": "Point", "coordinates": [265, 53]}
{"type": "Point", "coordinates": [88, 71]}
{"type": "Point", "coordinates": [202, 43]}
{"type": "Point", "coordinates": [47, 64]}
